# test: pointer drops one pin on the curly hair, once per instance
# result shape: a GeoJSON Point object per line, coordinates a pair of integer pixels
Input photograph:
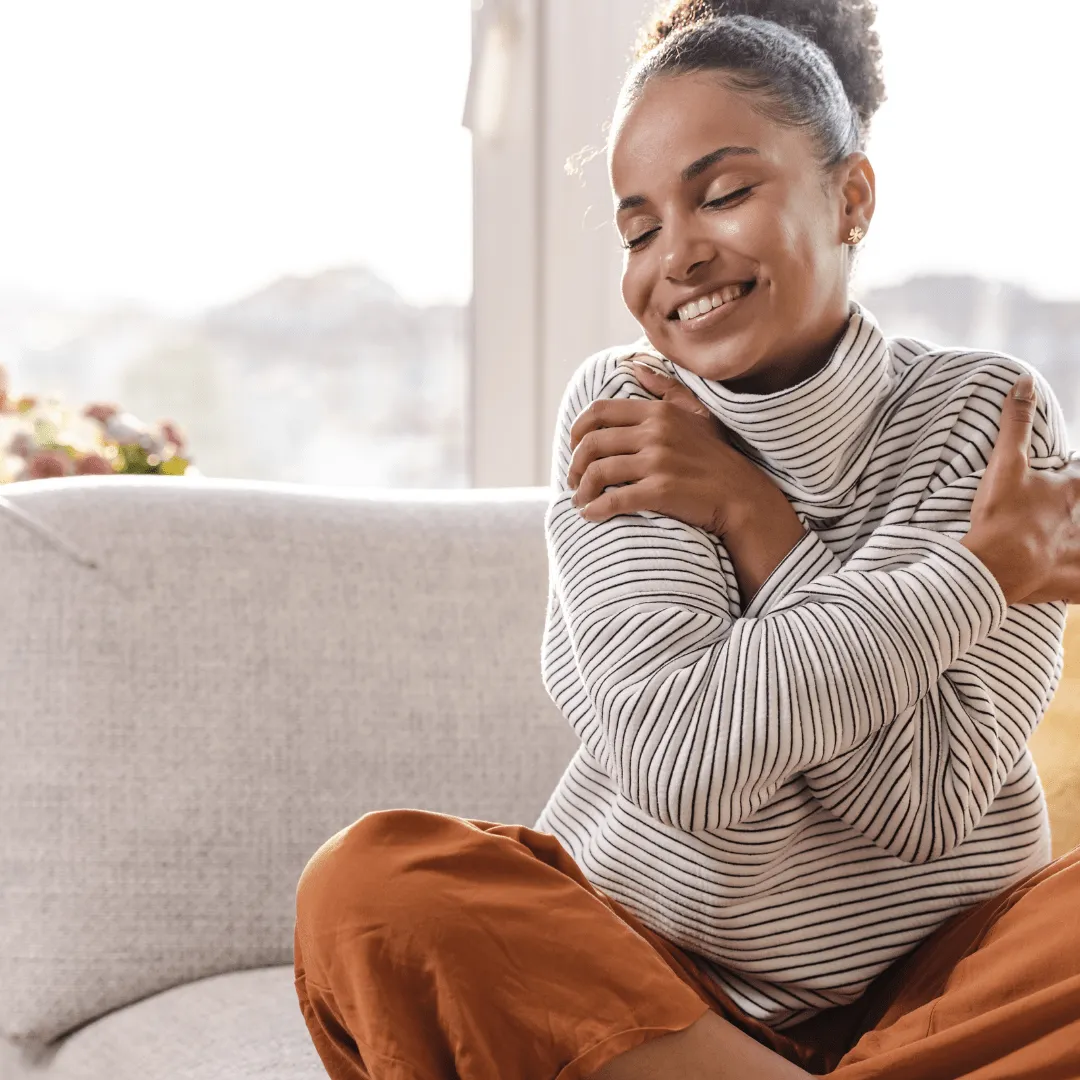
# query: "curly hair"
{"type": "Point", "coordinates": [812, 63]}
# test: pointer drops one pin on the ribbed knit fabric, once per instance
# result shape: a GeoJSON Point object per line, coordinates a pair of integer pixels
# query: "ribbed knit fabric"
{"type": "Point", "coordinates": [801, 791]}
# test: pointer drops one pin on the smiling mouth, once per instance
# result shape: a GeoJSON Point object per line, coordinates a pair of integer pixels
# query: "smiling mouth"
{"type": "Point", "coordinates": [696, 309]}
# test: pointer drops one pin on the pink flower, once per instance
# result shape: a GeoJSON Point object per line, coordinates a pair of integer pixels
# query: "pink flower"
{"type": "Point", "coordinates": [172, 434]}
{"type": "Point", "coordinates": [21, 444]}
{"type": "Point", "coordinates": [93, 465]}
{"type": "Point", "coordinates": [46, 464]}
{"type": "Point", "coordinates": [101, 412]}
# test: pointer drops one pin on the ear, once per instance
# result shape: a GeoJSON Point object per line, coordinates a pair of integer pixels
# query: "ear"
{"type": "Point", "coordinates": [858, 193]}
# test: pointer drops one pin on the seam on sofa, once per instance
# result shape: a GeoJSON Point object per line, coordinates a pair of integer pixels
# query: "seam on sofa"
{"type": "Point", "coordinates": [65, 547]}
{"type": "Point", "coordinates": [46, 533]}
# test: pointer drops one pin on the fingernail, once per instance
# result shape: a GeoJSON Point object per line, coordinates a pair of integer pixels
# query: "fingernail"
{"type": "Point", "coordinates": [1025, 388]}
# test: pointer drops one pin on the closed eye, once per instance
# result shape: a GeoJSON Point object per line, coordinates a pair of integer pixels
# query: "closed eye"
{"type": "Point", "coordinates": [717, 204]}
{"type": "Point", "coordinates": [640, 241]}
{"type": "Point", "coordinates": [724, 200]}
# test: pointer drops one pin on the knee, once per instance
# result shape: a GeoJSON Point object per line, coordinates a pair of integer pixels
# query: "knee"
{"type": "Point", "coordinates": [361, 867]}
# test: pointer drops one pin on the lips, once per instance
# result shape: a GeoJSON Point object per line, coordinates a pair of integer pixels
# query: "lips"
{"type": "Point", "coordinates": [704, 301]}
{"type": "Point", "coordinates": [706, 306]}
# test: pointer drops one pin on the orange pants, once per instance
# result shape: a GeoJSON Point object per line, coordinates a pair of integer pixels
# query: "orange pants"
{"type": "Point", "coordinates": [431, 947]}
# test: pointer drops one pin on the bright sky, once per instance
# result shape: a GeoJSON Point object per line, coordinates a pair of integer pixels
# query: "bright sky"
{"type": "Point", "coordinates": [976, 151]}
{"type": "Point", "coordinates": [185, 152]}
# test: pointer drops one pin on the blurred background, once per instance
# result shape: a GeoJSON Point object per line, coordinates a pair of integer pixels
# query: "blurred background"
{"type": "Point", "coordinates": [337, 241]}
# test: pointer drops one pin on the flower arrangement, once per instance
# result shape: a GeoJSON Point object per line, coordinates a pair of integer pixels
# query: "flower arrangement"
{"type": "Point", "coordinates": [43, 438]}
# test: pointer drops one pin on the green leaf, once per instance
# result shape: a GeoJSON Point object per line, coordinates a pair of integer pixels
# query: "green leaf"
{"type": "Point", "coordinates": [175, 466]}
{"type": "Point", "coordinates": [134, 459]}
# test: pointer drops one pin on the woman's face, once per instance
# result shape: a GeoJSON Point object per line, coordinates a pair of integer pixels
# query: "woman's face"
{"type": "Point", "coordinates": [713, 199]}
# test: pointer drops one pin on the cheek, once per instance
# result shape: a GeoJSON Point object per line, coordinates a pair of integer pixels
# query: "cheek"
{"type": "Point", "coordinates": [801, 244]}
{"type": "Point", "coordinates": [635, 288]}
{"type": "Point", "coordinates": [756, 233]}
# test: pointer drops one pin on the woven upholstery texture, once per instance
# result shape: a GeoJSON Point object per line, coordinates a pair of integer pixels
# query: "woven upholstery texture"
{"type": "Point", "coordinates": [203, 680]}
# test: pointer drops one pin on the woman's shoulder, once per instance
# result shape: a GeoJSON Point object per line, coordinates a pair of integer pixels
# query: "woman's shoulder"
{"type": "Point", "coordinates": [961, 363]}
{"type": "Point", "coordinates": [969, 385]}
{"type": "Point", "coordinates": [608, 374]}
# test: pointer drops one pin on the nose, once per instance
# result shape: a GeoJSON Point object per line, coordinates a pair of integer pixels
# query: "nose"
{"type": "Point", "coordinates": [688, 249]}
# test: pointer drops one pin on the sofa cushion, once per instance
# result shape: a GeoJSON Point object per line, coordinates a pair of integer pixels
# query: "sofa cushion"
{"type": "Point", "coordinates": [247, 1023]}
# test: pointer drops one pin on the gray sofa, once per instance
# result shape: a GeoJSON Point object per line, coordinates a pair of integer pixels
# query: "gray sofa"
{"type": "Point", "coordinates": [202, 681]}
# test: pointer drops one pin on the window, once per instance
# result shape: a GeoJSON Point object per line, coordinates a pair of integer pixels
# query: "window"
{"type": "Point", "coordinates": [973, 240]}
{"type": "Point", "coordinates": [334, 249]}
{"type": "Point", "coordinates": [252, 219]}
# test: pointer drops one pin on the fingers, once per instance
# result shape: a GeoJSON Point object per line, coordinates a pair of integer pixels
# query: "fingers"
{"type": "Point", "coordinates": [612, 470]}
{"type": "Point", "coordinates": [601, 443]}
{"type": "Point", "coordinates": [668, 388]}
{"type": "Point", "coordinates": [1013, 442]}
{"type": "Point", "coordinates": [608, 413]}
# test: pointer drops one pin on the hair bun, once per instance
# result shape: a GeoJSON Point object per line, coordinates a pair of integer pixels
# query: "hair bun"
{"type": "Point", "coordinates": [842, 29]}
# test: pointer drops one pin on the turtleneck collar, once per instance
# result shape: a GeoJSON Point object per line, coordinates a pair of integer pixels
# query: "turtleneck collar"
{"type": "Point", "coordinates": [815, 438]}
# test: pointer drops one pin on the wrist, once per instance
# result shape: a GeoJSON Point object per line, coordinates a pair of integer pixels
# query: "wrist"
{"type": "Point", "coordinates": [998, 568]}
{"type": "Point", "coordinates": [757, 539]}
{"type": "Point", "coordinates": [775, 517]}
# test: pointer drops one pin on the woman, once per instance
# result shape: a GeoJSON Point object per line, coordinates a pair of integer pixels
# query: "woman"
{"type": "Point", "coordinates": [801, 643]}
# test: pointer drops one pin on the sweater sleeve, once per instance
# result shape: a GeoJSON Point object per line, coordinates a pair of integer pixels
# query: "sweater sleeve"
{"type": "Point", "coordinates": [700, 715]}
{"type": "Point", "coordinates": [920, 784]}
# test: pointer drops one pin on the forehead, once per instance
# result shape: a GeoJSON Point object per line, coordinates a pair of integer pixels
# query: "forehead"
{"type": "Point", "coordinates": [677, 119]}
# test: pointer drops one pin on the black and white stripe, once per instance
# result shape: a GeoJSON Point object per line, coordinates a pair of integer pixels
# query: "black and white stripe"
{"type": "Point", "coordinates": [801, 791]}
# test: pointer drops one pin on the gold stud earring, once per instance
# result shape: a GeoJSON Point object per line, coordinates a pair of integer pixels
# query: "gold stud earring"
{"type": "Point", "coordinates": [855, 235]}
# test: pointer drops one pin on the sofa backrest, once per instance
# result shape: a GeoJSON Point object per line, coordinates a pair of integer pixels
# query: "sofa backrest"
{"type": "Point", "coordinates": [203, 680]}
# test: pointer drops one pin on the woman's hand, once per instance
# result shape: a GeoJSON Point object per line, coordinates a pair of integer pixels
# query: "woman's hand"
{"type": "Point", "coordinates": [675, 458]}
{"type": "Point", "coordinates": [1025, 522]}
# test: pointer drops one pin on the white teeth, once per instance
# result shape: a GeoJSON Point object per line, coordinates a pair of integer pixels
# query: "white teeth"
{"type": "Point", "coordinates": [707, 303]}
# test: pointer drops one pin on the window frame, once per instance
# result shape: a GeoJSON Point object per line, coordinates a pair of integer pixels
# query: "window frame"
{"type": "Point", "coordinates": [546, 259]}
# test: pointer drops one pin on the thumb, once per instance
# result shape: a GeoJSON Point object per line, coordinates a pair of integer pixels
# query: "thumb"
{"type": "Point", "coordinates": [1013, 441]}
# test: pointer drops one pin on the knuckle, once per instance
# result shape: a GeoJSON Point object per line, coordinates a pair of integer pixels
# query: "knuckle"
{"type": "Point", "coordinates": [667, 411]}
{"type": "Point", "coordinates": [658, 428]}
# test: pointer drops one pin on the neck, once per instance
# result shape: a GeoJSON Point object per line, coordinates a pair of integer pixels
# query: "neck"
{"type": "Point", "coordinates": [806, 359]}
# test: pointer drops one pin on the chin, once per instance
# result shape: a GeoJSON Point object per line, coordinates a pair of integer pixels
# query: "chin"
{"type": "Point", "coordinates": [723, 360]}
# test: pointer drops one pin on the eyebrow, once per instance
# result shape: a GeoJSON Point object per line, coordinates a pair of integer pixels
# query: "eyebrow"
{"type": "Point", "coordinates": [695, 168]}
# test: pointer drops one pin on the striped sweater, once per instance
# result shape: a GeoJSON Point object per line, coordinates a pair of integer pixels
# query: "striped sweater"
{"type": "Point", "coordinates": [799, 792]}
